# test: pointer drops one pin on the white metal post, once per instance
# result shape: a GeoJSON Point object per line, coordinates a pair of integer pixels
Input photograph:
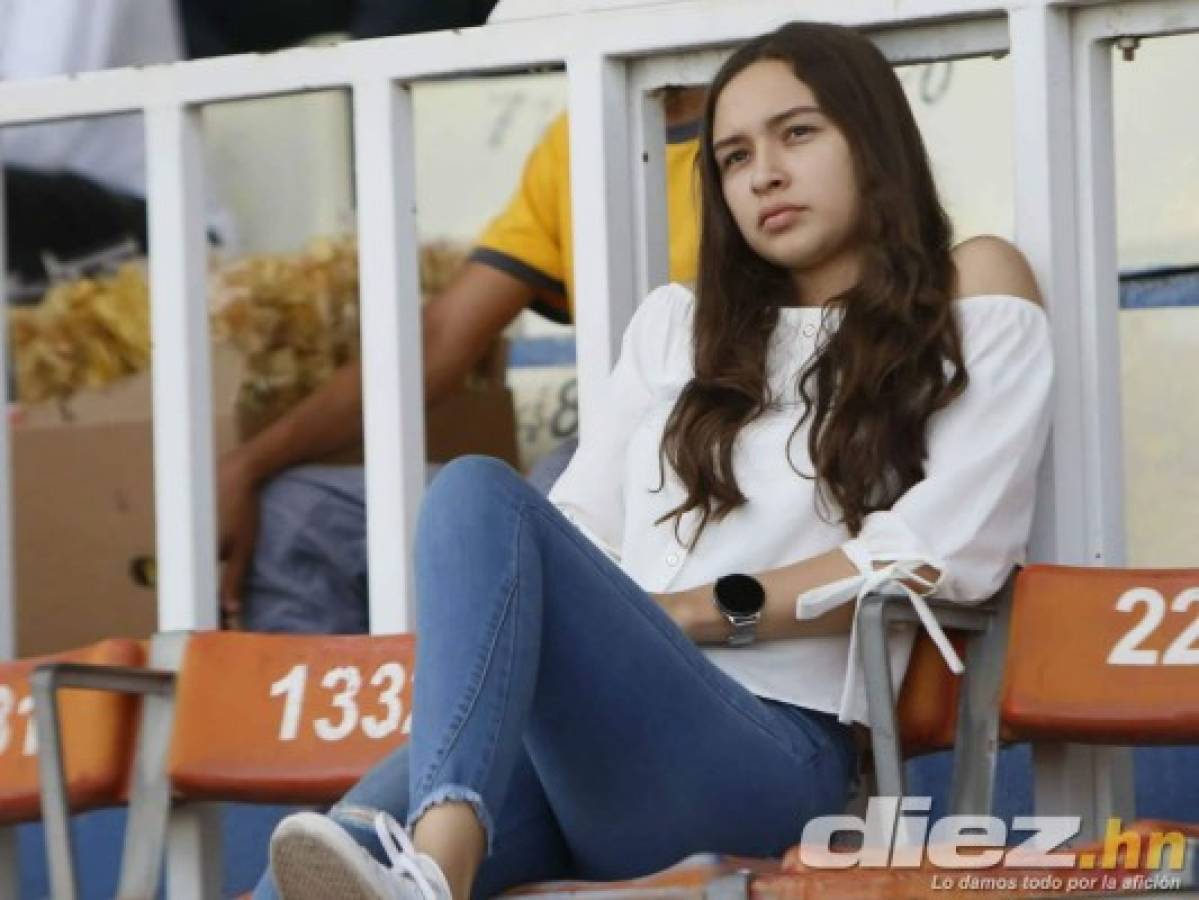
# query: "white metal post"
{"type": "Point", "coordinates": [8, 617]}
{"type": "Point", "coordinates": [602, 206]}
{"type": "Point", "coordinates": [392, 379]}
{"type": "Point", "coordinates": [1073, 513]}
{"type": "Point", "coordinates": [1099, 298]}
{"type": "Point", "coordinates": [647, 163]}
{"type": "Point", "coordinates": [194, 853]}
{"type": "Point", "coordinates": [183, 452]}
{"type": "Point", "coordinates": [1046, 231]}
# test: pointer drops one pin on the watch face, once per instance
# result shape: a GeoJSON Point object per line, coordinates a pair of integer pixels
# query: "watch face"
{"type": "Point", "coordinates": [741, 595]}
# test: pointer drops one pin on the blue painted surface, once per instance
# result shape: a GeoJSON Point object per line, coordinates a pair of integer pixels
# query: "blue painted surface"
{"type": "Point", "coordinates": [1167, 781]}
{"type": "Point", "coordinates": [1159, 288]}
{"type": "Point", "coordinates": [542, 351]}
{"type": "Point", "coordinates": [1166, 778]}
{"type": "Point", "coordinates": [98, 835]}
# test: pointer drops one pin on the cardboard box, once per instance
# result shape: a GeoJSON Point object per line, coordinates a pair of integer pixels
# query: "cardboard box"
{"type": "Point", "coordinates": [83, 498]}
{"type": "Point", "coordinates": [474, 420]}
{"type": "Point", "coordinates": [479, 418]}
{"type": "Point", "coordinates": [83, 512]}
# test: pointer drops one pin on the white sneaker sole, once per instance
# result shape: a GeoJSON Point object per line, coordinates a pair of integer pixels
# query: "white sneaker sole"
{"type": "Point", "coordinates": [314, 858]}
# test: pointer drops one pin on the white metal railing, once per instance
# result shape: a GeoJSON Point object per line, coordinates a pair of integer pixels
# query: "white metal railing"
{"type": "Point", "coordinates": [1065, 223]}
{"type": "Point", "coordinates": [611, 60]}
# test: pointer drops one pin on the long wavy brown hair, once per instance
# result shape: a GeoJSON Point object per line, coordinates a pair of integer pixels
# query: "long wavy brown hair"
{"type": "Point", "coordinates": [895, 358]}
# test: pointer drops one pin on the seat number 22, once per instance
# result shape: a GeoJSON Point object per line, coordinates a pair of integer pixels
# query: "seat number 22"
{"type": "Point", "coordinates": [346, 682]}
{"type": "Point", "coordinates": [1182, 650]}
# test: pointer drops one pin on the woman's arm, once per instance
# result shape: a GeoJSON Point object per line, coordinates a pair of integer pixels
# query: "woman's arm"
{"type": "Point", "coordinates": [695, 613]}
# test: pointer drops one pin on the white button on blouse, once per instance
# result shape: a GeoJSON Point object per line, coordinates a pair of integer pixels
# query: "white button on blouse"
{"type": "Point", "coordinates": [970, 515]}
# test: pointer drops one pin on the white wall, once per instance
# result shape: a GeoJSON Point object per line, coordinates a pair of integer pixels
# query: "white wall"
{"type": "Point", "coordinates": [283, 167]}
{"type": "Point", "coordinates": [1157, 153]}
{"type": "Point", "coordinates": [283, 164]}
{"type": "Point", "coordinates": [472, 139]}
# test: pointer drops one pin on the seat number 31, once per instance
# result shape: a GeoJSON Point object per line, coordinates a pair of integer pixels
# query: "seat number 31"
{"type": "Point", "coordinates": [23, 708]}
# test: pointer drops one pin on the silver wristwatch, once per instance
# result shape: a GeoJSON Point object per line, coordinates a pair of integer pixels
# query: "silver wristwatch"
{"type": "Point", "coordinates": [740, 599]}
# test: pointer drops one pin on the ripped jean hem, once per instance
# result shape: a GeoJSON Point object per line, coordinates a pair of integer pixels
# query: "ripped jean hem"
{"type": "Point", "coordinates": [359, 819]}
{"type": "Point", "coordinates": [450, 793]}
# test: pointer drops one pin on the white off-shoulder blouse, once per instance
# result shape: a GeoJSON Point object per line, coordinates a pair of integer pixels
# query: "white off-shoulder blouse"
{"type": "Point", "coordinates": [969, 517]}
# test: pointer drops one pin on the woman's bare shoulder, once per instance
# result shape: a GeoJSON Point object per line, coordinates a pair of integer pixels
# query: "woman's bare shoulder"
{"type": "Point", "coordinates": [989, 265]}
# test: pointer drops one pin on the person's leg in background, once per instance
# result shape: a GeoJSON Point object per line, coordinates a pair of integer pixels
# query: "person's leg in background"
{"type": "Point", "coordinates": [309, 571]}
{"type": "Point", "coordinates": [309, 574]}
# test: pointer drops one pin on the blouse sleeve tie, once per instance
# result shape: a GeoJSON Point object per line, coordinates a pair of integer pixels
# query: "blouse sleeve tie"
{"type": "Point", "coordinates": [900, 575]}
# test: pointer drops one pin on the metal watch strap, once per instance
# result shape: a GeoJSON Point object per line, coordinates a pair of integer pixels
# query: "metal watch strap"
{"type": "Point", "coordinates": [745, 629]}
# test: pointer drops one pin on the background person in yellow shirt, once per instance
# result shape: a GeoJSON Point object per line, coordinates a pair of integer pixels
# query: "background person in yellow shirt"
{"type": "Point", "coordinates": [292, 535]}
{"type": "Point", "coordinates": [532, 239]}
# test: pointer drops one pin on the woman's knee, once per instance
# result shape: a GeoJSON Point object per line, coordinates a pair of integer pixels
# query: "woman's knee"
{"type": "Point", "coordinates": [470, 474]}
{"type": "Point", "coordinates": [465, 491]}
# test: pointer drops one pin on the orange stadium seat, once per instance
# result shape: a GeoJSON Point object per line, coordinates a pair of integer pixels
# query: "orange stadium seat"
{"type": "Point", "coordinates": [286, 718]}
{"type": "Point", "coordinates": [1098, 656]}
{"type": "Point", "coordinates": [96, 739]}
{"type": "Point", "coordinates": [253, 718]}
{"type": "Point", "coordinates": [97, 735]}
{"type": "Point", "coordinates": [1104, 656]}
{"type": "Point", "coordinates": [1107, 656]}
{"type": "Point", "coordinates": [928, 699]}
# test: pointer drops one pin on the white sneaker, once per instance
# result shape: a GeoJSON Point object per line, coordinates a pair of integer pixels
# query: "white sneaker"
{"type": "Point", "coordinates": [314, 858]}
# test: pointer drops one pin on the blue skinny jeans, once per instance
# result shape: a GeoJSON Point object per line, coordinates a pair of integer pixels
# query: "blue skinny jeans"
{"type": "Point", "coordinates": [592, 738]}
